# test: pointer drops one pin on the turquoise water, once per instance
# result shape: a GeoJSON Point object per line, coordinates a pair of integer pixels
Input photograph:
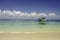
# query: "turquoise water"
{"type": "Point", "coordinates": [28, 26]}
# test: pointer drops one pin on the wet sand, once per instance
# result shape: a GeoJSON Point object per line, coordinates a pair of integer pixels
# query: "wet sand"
{"type": "Point", "coordinates": [30, 36]}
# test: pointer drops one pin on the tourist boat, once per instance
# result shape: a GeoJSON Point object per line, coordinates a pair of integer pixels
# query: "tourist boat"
{"type": "Point", "coordinates": [42, 20]}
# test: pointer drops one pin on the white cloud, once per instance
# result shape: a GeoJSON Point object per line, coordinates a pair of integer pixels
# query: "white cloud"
{"type": "Point", "coordinates": [52, 14]}
{"type": "Point", "coordinates": [42, 14]}
{"type": "Point", "coordinates": [0, 11]}
{"type": "Point", "coordinates": [19, 14]}
{"type": "Point", "coordinates": [34, 14]}
{"type": "Point", "coordinates": [22, 14]}
{"type": "Point", "coordinates": [16, 12]}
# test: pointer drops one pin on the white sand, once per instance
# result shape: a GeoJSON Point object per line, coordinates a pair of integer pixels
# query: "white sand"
{"type": "Point", "coordinates": [30, 36]}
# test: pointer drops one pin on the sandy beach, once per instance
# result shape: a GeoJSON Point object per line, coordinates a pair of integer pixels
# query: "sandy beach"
{"type": "Point", "coordinates": [30, 36]}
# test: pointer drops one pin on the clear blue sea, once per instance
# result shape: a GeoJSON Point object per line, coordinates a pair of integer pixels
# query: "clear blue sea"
{"type": "Point", "coordinates": [13, 25]}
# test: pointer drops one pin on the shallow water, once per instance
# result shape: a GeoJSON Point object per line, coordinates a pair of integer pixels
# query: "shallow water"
{"type": "Point", "coordinates": [28, 26]}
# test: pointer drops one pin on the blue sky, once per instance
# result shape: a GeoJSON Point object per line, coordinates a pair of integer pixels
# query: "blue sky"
{"type": "Point", "coordinates": [39, 6]}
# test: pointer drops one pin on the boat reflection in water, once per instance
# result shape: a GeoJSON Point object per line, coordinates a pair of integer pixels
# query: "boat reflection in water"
{"type": "Point", "coordinates": [42, 21]}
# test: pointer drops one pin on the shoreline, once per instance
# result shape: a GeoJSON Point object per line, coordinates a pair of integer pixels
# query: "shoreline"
{"type": "Point", "coordinates": [30, 36]}
{"type": "Point", "coordinates": [33, 32]}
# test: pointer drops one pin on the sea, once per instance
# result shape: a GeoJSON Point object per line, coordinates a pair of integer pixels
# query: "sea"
{"type": "Point", "coordinates": [21, 25]}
